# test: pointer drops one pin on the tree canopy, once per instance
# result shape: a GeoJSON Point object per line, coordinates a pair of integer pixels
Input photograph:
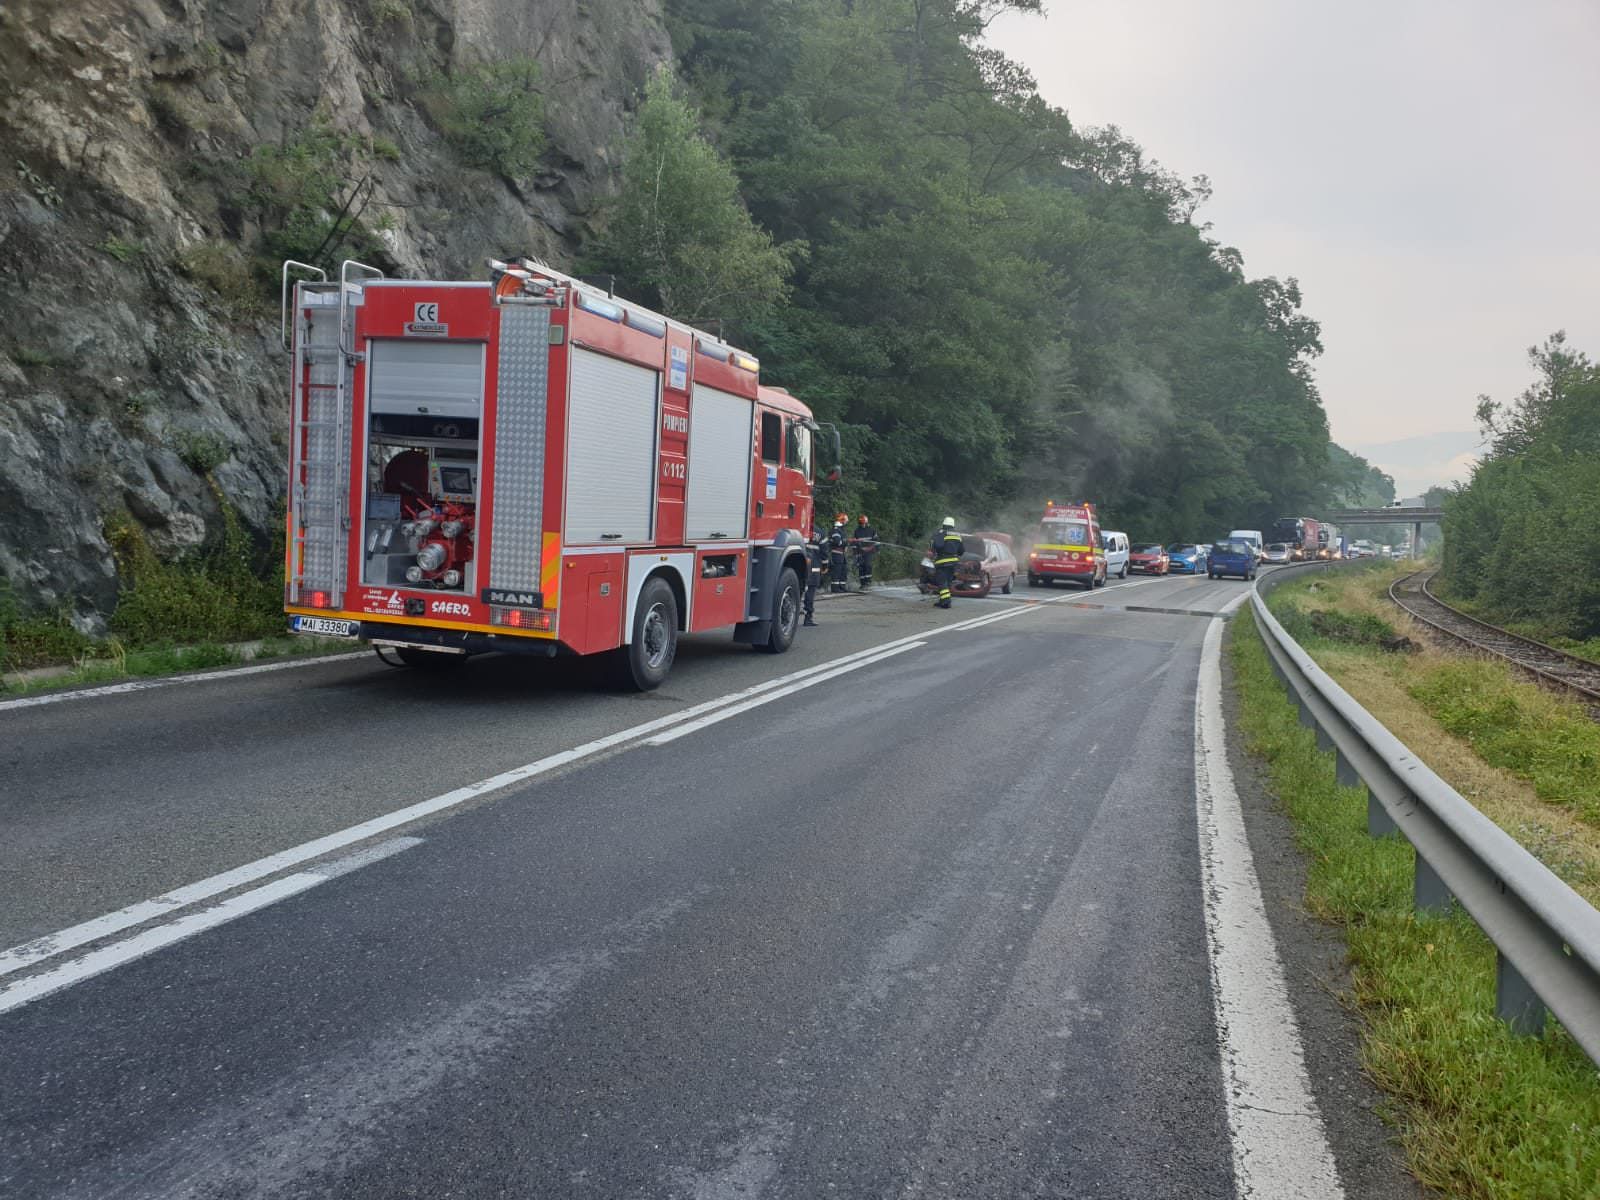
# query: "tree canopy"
{"type": "Point", "coordinates": [1523, 535]}
{"type": "Point", "coordinates": [995, 306]}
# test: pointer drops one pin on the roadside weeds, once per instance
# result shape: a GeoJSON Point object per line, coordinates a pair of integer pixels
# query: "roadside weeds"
{"type": "Point", "coordinates": [1481, 1112]}
{"type": "Point", "coordinates": [1526, 758]}
{"type": "Point", "coordinates": [158, 661]}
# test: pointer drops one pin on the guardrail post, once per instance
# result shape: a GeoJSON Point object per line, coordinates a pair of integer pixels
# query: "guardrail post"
{"type": "Point", "coordinates": [1343, 772]}
{"type": "Point", "coordinates": [1515, 1001]}
{"type": "Point", "coordinates": [1428, 892]}
{"type": "Point", "coordinates": [1379, 822]}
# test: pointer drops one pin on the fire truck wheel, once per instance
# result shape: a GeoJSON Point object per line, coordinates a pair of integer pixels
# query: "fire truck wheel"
{"type": "Point", "coordinates": [785, 614]}
{"type": "Point", "coordinates": [428, 660]}
{"type": "Point", "coordinates": [644, 662]}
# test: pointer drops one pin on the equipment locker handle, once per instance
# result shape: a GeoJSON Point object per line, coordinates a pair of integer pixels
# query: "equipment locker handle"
{"type": "Point", "coordinates": [610, 537]}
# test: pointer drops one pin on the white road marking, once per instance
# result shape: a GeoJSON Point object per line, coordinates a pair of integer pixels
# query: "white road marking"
{"type": "Point", "coordinates": [51, 945]}
{"type": "Point", "coordinates": [1280, 1147]}
{"type": "Point", "coordinates": [145, 685]}
{"type": "Point", "coordinates": [733, 710]}
{"type": "Point", "coordinates": [24, 991]}
{"type": "Point", "coordinates": [97, 962]}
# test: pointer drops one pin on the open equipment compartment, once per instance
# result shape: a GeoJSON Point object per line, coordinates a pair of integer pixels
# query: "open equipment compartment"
{"type": "Point", "coordinates": [424, 412]}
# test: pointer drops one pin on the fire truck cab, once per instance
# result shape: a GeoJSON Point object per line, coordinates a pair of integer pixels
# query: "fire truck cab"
{"type": "Point", "coordinates": [529, 464]}
{"type": "Point", "coordinates": [1068, 547]}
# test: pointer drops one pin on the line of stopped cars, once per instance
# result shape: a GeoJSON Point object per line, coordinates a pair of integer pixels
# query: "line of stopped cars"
{"type": "Point", "coordinates": [1233, 556]}
{"type": "Point", "coordinates": [1070, 546]}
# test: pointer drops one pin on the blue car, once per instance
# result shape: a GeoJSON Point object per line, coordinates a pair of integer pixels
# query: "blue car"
{"type": "Point", "coordinates": [1232, 558]}
{"type": "Point", "coordinates": [1186, 559]}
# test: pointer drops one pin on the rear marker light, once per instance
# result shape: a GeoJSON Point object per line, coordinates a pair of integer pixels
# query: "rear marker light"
{"type": "Point", "coordinates": [521, 618]}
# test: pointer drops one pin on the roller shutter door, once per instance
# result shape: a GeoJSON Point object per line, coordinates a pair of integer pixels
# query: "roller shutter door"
{"type": "Point", "coordinates": [611, 449]}
{"type": "Point", "coordinates": [718, 500]}
{"type": "Point", "coordinates": [441, 379]}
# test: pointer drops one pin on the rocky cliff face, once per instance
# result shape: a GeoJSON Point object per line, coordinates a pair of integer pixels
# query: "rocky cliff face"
{"type": "Point", "coordinates": [139, 346]}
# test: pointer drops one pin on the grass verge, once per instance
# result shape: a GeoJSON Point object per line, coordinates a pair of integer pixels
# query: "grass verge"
{"type": "Point", "coordinates": [1482, 1113]}
{"type": "Point", "coordinates": [214, 595]}
{"type": "Point", "coordinates": [1526, 757]}
{"type": "Point", "coordinates": [116, 664]}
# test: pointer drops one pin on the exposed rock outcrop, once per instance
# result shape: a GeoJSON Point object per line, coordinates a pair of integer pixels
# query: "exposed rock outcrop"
{"type": "Point", "coordinates": [138, 349]}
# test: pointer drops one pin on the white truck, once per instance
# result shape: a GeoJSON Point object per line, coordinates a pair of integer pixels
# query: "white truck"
{"type": "Point", "coordinates": [1253, 536]}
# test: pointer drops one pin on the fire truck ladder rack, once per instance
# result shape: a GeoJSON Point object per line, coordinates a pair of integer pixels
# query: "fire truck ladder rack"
{"type": "Point", "coordinates": [526, 266]}
{"type": "Point", "coordinates": [319, 442]}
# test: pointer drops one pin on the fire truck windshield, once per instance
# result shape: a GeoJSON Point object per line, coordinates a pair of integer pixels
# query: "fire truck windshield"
{"type": "Point", "coordinates": [1063, 533]}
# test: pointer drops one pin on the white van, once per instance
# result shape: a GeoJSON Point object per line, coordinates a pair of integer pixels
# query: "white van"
{"type": "Point", "coordinates": [1116, 553]}
{"type": "Point", "coordinates": [1253, 536]}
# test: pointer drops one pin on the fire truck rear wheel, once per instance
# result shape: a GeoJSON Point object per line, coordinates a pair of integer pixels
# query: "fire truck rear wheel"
{"type": "Point", "coordinates": [428, 660]}
{"type": "Point", "coordinates": [785, 613]}
{"type": "Point", "coordinates": [645, 661]}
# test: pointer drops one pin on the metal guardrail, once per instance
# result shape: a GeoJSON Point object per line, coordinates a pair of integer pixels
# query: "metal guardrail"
{"type": "Point", "coordinates": [1546, 936]}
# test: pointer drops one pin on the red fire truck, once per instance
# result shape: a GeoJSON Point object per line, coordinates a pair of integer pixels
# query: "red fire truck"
{"type": "Point", "coordinates": [1068, 547]}
{"type": "Point", "coordinates": [529, 464]}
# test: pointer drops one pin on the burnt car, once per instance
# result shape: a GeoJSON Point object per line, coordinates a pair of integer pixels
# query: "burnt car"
{"type": "Point", "coordinates": [987, 563]}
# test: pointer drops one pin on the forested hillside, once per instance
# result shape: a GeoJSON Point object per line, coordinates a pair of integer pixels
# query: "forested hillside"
{"type": "Point", "coordinates": [999, 307]}
{"type": "Point", "coordinates": [996, 306]}
{"type": "Point", "coordinates": [1522, 537]}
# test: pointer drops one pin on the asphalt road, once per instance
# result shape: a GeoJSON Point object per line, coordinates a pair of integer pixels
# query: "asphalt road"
{"type": "Point", "coordinates": [931, 927]}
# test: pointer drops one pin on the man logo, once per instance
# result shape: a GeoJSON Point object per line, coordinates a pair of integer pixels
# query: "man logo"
{"type": "Point", "coordinates": [513, 599]}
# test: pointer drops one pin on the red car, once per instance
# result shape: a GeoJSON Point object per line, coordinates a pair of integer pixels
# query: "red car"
{"type": "Point", "coordinates": [1151, 559]}
{"type": "Point", "coordinates": [988, 563]}
{"type": "Point", "coordinates": [999, 561]}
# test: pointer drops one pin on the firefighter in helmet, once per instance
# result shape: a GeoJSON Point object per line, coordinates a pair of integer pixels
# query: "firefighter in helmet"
{"type": "Point", "coordinates": [838, 541]}
{"type": "Point", "coordinates": [947, 549]}
{"type": "Point", "coordinates": [865, 544]}
{"type": "Point", "coordinates": [816, 561]}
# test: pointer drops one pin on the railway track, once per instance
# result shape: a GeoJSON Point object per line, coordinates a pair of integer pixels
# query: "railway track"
{"type": "Point", "coordinates": [1571, 674]}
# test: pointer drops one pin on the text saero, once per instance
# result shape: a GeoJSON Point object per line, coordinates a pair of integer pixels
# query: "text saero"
{"type": "Point", "coordinates": [1068, 546]}
{"type": "Point", "coordinates": [529, 464]}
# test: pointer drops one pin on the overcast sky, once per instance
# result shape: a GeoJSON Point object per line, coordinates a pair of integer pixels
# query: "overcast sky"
{"type": "Point", "coordinates": [1427, 170]}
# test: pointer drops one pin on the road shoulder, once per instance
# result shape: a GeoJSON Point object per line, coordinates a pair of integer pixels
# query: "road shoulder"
{"type": "Point", "coordinates": [1315, 965]}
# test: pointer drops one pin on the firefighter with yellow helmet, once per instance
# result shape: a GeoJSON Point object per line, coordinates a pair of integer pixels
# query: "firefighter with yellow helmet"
{"type": "Point", "coordinates": [946, 552]}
